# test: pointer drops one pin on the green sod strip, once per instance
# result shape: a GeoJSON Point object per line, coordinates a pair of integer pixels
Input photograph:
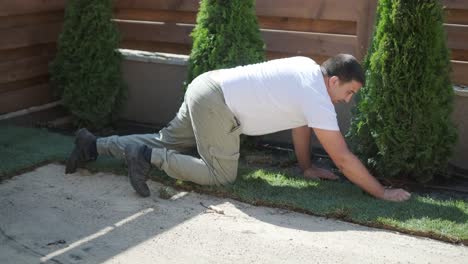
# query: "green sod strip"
{"type": "Point", "coordinates": [22, 148]}
{"type": "Point", "coordinates": [25, 148]}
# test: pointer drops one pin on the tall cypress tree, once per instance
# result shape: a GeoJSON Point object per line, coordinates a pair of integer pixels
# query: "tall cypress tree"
{"type": "Point", "coordinates": [403, 126]}
{"type": "Point", "coordinates": [86, 71]}
{"type": "Point", "coordinates": [226, 35]}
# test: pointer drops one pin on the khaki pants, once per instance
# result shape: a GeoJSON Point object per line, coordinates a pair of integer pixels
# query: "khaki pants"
{"type": "Point", "coordinates": [204, 121]}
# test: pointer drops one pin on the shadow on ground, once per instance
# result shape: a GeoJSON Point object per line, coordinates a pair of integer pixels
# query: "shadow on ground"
{"type": "Point", "coordinates": [55, 218]}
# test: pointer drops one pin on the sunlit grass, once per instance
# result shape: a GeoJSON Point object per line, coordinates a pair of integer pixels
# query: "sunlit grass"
{"type": "Point", "coordinates": [24, 148]}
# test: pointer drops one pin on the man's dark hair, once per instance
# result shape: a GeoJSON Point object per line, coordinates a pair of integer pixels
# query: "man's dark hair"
{"type": "Point", "coordinates": [345, 67]}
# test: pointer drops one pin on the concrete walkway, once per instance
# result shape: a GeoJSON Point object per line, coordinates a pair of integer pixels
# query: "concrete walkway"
{"type": "Point", "coordinates": [46, 216]}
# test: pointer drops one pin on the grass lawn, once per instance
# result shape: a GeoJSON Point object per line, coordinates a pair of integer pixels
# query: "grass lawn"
{"type": "Point", "coordinates": [24, 148]}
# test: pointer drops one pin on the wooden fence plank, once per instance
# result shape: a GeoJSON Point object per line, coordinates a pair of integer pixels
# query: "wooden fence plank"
{"type": "Point", "coordinates": [29, 51]}
{"type": "Point", "coordinates": [155, 15]}
{"type": "Point", "coordinates": [308, 25]}
{"type": "Point", "coordinates": [158, 32]}
{"type": "Point", "coordinates": [460, 55]}
{"type": "Point", "coordinates": [455, 4]}
{"type": "Point", "coordinates": [457, 36]}
{"type": "Point", "coordinates": [30, 35]}
{"type": "Point", "coordinates": [20, 84]}
{"type": "Point", "coordinates": [456, 16]}
{"type": "Point", "coordinates": [31, 19]}
{"type": "Point", "coordinates": [312, 9]}
{"type": "Point", "coordinates": [308, 43]}
{"type": "Point", "coordinates": [24, 98]}
{"type": "Point", "coordinates": [280, 23]}
{"type": "Point", "coordinates": [173, 5]}
{"type": "Point", "coordinates": [366, 17]}
{"type": "Point", "coordinates": [278, 41]}
{"type": "Point", "coordinates": [24, 69]}
{"type": "Point", "coordinates": [24, 62]}
{"type": "Point", "coordinates": [460, 72]}
{"type": "Point", "coordinates": [271, 55]}
{"type": "Point", "coordinates": [19, 7]}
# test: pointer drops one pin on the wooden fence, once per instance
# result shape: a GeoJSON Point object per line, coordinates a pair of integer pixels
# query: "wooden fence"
{"type": "Point", "coordinates": [28, 37]}
{"type": "Point", "coordinates": [317, 29]}
{"type": "Point", "coordinates": [456, 26]}
{"type": "Point", "coordinates": [29, 30]}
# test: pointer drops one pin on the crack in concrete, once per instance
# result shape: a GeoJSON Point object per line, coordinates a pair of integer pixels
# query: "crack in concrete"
{"type": "Point", "coordinates": [16, 243]}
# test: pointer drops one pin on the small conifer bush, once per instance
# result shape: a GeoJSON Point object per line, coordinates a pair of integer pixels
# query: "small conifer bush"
{"type": "Point", "coordinates": [226, 35]}
{"type": "Point", "coordinates": [86, 71]}
{"type": "Point", "coordinates": [402, 126]}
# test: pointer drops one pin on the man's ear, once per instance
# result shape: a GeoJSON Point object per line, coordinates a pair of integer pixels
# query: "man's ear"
{"type": "Point", "coordinates": [335, 81]}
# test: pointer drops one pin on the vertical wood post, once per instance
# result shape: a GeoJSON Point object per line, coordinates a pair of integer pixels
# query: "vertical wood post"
{"type": "Point", "coordinates": [365, 26]}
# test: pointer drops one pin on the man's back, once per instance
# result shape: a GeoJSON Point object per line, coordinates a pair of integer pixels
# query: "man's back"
{"type": "Point", "coordinates": [278, 95]}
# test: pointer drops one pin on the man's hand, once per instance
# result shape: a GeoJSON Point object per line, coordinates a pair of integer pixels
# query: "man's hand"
{"type": "Point", "coordinates": [353, 169]}
{"type": "Point", "coordinates": [318, 173]}
{"type": "Point", "coordinates": [396, 195]}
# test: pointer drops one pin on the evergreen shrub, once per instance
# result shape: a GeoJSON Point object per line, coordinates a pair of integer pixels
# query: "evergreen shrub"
{"type": "Point", "coordinates": [402, 125]}
{"type": "Point", "coordinates": [86, 71]}
{"type": "Point", "coordinates": [226, 35]}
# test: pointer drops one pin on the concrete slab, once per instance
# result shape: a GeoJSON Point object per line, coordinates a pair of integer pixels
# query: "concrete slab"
{"type": "Point", "coordinates": [50, 217]}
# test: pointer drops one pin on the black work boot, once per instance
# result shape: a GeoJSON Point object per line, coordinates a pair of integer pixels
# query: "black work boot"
{"type": "Point", "coordinates": [138, 167]}
{"type": "Point", "coordinates": [84, 150]}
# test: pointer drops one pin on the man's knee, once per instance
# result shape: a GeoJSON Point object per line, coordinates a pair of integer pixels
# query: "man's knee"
{"type": "Point", "coordinates": [225, 170]}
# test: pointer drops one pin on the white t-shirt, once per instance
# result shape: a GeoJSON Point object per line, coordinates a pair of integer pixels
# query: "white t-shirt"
{"type": "Point", "coordinates": [278, 95]}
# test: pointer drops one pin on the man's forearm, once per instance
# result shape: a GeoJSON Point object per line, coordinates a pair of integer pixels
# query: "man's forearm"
{"type": "Point", "coordinates": [353, 169]}
{"type": "Point", "coordinates": [357, 173]}
{"type": "Point", "coordinates": [301, 141]}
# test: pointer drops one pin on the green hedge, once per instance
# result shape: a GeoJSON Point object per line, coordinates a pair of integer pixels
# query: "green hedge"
{"type": "Point", "coordinates": [86, 71]}
{"type": "Point", "coordinates": [402, 126]}
{"type": "Point", "coordinates": [226, 35]}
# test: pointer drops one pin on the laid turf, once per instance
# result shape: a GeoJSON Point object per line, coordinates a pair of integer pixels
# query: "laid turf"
{"type": "Point", "coordinates": [445, 219]}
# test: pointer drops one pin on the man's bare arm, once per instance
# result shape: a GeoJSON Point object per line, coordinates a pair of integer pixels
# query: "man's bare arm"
{"type": "Point", "coordinates": [353, 169]}
{"type": "Point", "coordinates": [301, 141]}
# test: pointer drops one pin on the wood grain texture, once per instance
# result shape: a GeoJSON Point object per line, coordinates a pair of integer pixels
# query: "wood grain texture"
{"type": "Point", "coordinates": [460, 72]}
{"type": "Point", "coordinates": [24, 98]}
{"type": "Point", "coordinates": [29, 35]}
{"type": "Point", "coordinates": [456, 16]}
